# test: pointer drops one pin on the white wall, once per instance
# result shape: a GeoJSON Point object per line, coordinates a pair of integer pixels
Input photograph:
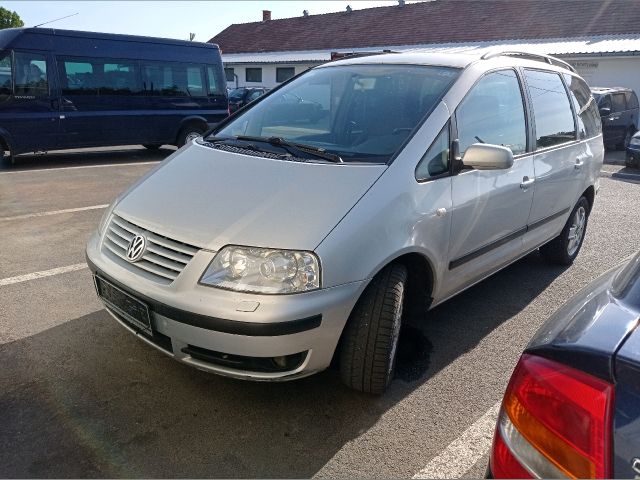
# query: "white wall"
{"type": "Point", "coordinates": [609, 72]}
{"type": "Point", "coordinates": [268, 73]}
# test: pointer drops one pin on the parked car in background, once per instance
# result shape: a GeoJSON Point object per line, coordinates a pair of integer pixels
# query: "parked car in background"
{"type": "Point", "coordinates": [360, 192]}
{"type": "Point", "coordinates": [572, 407]}
{"type": "Point", "coordinates": [64, 89]}
{"type": "Point", "coordinates": [632, 158]}
{"type": "Point", "coordinates": [619, 112]}
{"type": "Point", "coordinates": [241, 96]}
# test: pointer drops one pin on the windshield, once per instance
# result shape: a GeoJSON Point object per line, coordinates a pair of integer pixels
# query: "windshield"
{"type": "Point", "coordinates": [236, 94]}
{"type": "Point", "coordinates": [358, 112]}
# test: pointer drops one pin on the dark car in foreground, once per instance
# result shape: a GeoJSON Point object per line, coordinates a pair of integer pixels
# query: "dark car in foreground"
{"type": "Point", "coordinates": [632, 158]}
{"type": "Point", "coordinates": [241, 96]}
{"type": "Point", "coordinates": [619, 111]}
{"type": "Point", "coordinates": [572, 406]}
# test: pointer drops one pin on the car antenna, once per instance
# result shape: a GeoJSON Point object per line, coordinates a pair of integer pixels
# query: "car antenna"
{"type": "Point", "coordinates": [51, 21]}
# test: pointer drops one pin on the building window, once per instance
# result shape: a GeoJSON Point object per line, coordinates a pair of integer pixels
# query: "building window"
{"type": "Point", "coordinates": [253, 74]}
{"type": "Point", "coordinates": [230, 74]}
{"type": "Point", "coordinates": [284, 73]}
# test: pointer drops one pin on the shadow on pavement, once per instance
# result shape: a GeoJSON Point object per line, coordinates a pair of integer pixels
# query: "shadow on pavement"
{"type": "Point", "coordinates": [86, 399]}
{"type": "Point", "coordinates": [87, 157]}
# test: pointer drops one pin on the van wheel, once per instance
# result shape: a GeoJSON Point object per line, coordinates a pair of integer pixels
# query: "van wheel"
{"type": "Point", "coordinates": [189, 133]}
{"type": "Point", "coordinates": [368, 348]}
{"type": "Point", "coordinates": [152, 147]}
{"type": "Point", "coordinates": [563, 249]}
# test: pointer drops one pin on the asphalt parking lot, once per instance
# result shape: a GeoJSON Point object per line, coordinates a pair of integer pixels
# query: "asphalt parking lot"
{"type": "Point", "coordinates": [80, 397]}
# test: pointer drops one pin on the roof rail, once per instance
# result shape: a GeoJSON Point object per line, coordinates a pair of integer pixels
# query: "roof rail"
{"type": "Point", "coordinates": [535, 56]}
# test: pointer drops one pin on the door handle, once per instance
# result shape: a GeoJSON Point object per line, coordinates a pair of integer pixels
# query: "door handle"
{"type": "Point", "coordinates": [579, 164]}
{"type": "Point", "coordinates": [527, 182]}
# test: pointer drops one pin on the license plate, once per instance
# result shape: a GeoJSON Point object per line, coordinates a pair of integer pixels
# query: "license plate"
{"type": "Point", "coordinates": [130, 309]}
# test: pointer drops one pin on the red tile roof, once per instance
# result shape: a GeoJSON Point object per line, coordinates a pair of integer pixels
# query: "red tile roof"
{"type": "Point", "coordinates": [437, 21]}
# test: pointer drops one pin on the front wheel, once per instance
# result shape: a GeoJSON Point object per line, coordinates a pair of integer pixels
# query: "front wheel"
{"type": "Point", "coordinates": [370, 339]}
{"type": "Point", "coordinates": [563, 249]}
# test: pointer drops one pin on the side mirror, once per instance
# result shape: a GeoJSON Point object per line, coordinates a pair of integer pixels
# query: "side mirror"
{"type": "Point", "coordinates": [483, 156]}
{"type": "Point", "coordinates": [605, 112]}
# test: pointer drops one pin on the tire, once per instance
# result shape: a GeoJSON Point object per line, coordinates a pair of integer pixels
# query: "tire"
{"type": "Point", "coordinates": [370, 339]}
{"type": "Point", "coordinates": [561, 250]}
{"type": "Point", "coordinates": [153, 147]}
{"type": "Point", "coordinates": [188, 133]}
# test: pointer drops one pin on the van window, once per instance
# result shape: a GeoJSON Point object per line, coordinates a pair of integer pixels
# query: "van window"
{"type": "Point", "coordinates": [6, 88]}
{"type": "Point", "coordinates": [551, 108]}
{"type": "Point", "coordinates": [589, 124]}
{"type": "Point", "coordinates": [96, 76]}
{"type": "Point", "coordinates": [31, 74]}
{"type": "Point", "coordinates": [216, 85]}
{"type": "Point", "coordinates": [632, 100]}
{"type": "Point", "coordinates": [436, 160]}
{"type": "Point", "coordinates": [493, 112]}
{"type": "Point", "coordinates": [173, 80]}
{"type": "Point", "coordinates": [619, 102]}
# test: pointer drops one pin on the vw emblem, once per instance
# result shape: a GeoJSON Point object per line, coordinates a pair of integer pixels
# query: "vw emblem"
{"type": "Point", "coordinates": [136, 248]}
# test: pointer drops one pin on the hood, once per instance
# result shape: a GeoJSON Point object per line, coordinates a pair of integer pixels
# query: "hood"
{"type": "Point", "coordinates": [211, 198]}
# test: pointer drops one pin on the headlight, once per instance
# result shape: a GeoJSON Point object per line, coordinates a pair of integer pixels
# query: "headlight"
{"type": "Point", "coordinates": [263, 270]}
{"type": "Point", "coordinates": [635, 141]}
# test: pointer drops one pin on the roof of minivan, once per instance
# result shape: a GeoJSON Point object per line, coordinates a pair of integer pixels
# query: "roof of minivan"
{"type": "Point", "coordinates": [455, 60]}
{"type": "Point", "coordinates": [12, 34]}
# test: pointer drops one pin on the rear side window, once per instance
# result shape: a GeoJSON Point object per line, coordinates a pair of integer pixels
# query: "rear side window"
{"type": "Point", "coordinates": [632, 100]}
{"type": "Point", "coordinates": [216, 83]}
{"type": "Point", "coordinates": [589, 124]}
{"type": "Point", "coordinates": [551, 108]}
{"type": "Point", "coordinates": [619, 102]}
{"type": "Point", "coordinates": [493, 112]}
{"type": "Point", "coordinates": [31, 74]}
{"type": "Point", "coordinates": [172, 79]}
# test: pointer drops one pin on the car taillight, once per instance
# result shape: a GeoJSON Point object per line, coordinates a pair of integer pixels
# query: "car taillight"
{"type": "Point", "coordinates": [555, 422]}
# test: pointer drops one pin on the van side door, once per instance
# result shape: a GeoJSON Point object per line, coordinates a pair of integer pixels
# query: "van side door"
{"type": "Point", "coordinates": [102, 101]}
{"type": "Point", "coordinates": [560, 160]}
{"type": "Point", "coordinates": [31, 115]}
{"type": "Point", "coordinates": [490, 207]}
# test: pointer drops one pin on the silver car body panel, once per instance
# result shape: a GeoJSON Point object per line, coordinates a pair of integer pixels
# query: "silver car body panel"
{"type": "Point", "coordinates": [357, 218]}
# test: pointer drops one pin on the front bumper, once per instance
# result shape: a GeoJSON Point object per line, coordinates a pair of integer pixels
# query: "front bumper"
{"type": "Point", "coordinates": [210, 328]}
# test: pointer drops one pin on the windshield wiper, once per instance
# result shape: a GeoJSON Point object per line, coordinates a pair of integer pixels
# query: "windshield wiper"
{"type": "Point", "coordinates": [294, 148]}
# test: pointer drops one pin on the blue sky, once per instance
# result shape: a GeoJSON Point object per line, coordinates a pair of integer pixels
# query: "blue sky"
{"type": "Point", "coordinates": [173, 19]}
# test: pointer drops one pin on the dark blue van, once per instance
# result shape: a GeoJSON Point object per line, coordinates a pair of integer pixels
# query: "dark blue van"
{"type": "Point", "coordinates": [64, 89]}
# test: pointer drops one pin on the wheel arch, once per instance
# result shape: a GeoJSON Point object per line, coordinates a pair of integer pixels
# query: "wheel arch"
{"type": "Point", "coordinates": [590, 195]}
{"type": "Point", "coordinates": [192, 120]}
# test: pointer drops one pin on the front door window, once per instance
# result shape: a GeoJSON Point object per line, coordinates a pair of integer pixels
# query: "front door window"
{"type": "Point", "coordinates": [31, 75]}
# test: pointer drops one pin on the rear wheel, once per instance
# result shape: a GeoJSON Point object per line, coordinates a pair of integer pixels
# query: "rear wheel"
{"type": "Point", "coordinates": [189, 133]}
{"type": "Point", "coordinates": [563, 249]}
{"type": "Point", "coordinates": [370, 339]}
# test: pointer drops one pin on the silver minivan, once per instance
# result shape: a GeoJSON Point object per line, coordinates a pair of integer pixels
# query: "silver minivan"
{"type": "Point", "coordinates": [308, 224]}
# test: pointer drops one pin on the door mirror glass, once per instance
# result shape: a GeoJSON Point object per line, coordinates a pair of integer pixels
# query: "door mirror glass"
{"type": "Point", "coordinates": [483, 156]}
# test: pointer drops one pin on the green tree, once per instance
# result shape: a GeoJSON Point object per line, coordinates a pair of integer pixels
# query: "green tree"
{"type": "Point", "coordinates": [9, 19]}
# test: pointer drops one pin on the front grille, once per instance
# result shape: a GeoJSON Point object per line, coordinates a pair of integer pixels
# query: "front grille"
{"type": "Point", "coordinates": [163, 259]}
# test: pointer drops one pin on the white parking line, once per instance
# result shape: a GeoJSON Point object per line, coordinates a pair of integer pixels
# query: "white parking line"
{"type": "Point", "coordinates": [44, 273]}
{"type": "Point", "coordinates": [463, 453]}
{"type": "Point", "coordinates": [53, 212]}
{"type": "Point", "coordinates": [57, 169]}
